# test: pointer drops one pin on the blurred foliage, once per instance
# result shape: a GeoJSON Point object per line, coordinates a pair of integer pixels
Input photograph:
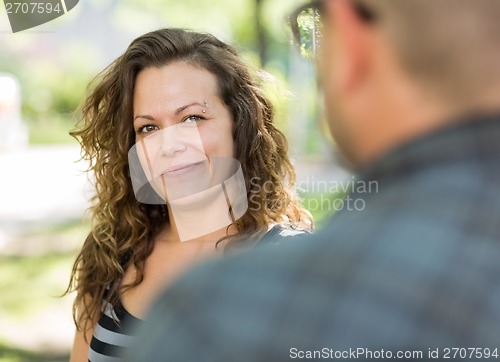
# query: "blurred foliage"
{"type": "Point", "coordinates": [34, 273]}
{"type": "Point", "coordinates": [12, 354]}
{"type": "Point", "coordinates": [52, 129]}
{"type": "Point", "coordinates": [321, 206]}
{"type": "Point", "coordinates": [50, 93]}
{"type": "Point", "coordinates": [29, 283]}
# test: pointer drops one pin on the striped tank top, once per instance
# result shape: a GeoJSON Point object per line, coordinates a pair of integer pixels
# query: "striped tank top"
{"type": "Point", "coordinates": [111, 339]}
{"type": "Point", "coordinates": [112, 334]}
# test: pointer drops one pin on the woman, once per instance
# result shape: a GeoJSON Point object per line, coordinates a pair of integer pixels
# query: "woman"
{"type": "Point", "coordinates": [176, 121]}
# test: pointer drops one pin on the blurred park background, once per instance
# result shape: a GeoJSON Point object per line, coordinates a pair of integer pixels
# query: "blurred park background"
{"type": "Point", "coordinates": [44, 72]}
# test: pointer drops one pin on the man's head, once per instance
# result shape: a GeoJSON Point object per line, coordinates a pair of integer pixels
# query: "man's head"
{"type": "Point", "coordinates": [392, 70]}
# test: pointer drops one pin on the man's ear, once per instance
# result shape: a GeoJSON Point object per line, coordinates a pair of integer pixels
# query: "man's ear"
{"type": "Point", "coordinates": [353, 46]}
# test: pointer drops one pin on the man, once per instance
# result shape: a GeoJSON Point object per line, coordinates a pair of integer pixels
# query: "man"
{"type": "Point", "coordinates": [412, 91]}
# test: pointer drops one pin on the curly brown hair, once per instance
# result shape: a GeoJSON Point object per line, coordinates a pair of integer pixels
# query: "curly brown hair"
{"type": "Point", "coordinates": [123, 230]}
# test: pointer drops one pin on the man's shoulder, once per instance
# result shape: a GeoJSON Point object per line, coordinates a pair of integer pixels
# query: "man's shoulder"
{"type": "Point", "coordinates": [339, 288]}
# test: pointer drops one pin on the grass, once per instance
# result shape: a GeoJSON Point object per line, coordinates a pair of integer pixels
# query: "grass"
{"type": "Point", "coordinates": [29, 284]}
{"type": "Point", "coordinates": [34, 272]}
{"type": "Point", "coordinates": [34, 269]}
{"type": "Point", "coordinates": [12, 354]}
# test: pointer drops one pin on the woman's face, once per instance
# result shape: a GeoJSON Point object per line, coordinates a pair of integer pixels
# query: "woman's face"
{"type": "Point", "coordinates": [182, 129]}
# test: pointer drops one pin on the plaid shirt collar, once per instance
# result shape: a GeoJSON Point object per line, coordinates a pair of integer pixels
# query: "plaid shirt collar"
{"type": "Point", "coordinates": [473, 138]}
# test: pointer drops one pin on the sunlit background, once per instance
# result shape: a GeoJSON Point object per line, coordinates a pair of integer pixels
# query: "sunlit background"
{"type": "Point", "coordinates": [43, 191]}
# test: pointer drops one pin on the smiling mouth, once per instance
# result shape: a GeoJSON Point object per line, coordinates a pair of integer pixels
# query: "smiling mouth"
{"type": "Point", "coordinates": [180, 169]}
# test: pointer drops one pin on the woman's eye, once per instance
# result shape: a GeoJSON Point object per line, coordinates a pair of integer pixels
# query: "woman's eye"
{"type": "Point", "coordinates": [192, 119]}
{"type": "Point", "coordinates": [146, 128]}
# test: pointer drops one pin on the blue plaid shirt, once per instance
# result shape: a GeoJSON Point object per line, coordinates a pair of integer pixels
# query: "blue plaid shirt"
{"type": "Point", "coordinates": [415, 268]}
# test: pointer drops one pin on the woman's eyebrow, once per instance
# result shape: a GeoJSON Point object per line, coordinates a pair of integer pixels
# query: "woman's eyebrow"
{"type": "Point", "coordinates": [180, 109]}
{"type": "Point", "coordinates": [177, 111]}
{"type": "Point", "coordinates": [145, 116]}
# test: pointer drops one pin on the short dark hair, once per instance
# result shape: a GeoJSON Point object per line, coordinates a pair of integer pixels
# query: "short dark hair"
{"type": "Point", "coordinates": [450, 45]}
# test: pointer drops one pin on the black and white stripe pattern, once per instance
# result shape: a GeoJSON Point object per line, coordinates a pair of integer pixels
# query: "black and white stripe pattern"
{"type": "Point", "coordinates": [112, 334]}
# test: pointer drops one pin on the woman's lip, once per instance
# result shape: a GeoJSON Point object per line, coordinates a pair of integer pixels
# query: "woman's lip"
{"type": "Point", "coordinates": [179, 168]}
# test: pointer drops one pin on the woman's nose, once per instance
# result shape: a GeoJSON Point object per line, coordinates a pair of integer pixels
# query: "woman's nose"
{"type": "Point", "coordinates": [171, 142]}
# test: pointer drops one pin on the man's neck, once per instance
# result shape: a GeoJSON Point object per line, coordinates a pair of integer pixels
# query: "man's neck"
{"type": "Point", "coordinates": [415, 117]}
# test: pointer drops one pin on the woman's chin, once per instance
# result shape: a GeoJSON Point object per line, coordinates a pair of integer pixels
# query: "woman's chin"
{"type": "Point", "coordinates": [200, 199]}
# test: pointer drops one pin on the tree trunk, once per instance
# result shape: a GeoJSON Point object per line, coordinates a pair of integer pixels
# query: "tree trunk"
{"type": "Point", "coordinates": [260, 32]}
